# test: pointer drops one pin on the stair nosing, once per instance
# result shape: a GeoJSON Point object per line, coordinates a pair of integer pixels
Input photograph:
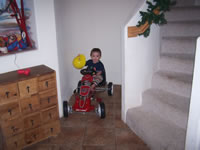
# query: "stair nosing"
{"type": "Point", "coordinates": [180, 56]}
{"type": "Point", "coordinates": [164, 73]}
{"type": "Point", "coordinates": [180, 7]}
{"type": "Point", "coordinates": [182, 21]}
{"type": "Point", "coordinates": [140, 108]}
{"type": "Point", "coordinates": [165, 102]}
{"type": "Point", "coordinates": [180, 37]}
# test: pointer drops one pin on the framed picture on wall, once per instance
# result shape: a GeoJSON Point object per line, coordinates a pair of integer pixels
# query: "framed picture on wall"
{"type": "Point", "coordinates": [17, 26]}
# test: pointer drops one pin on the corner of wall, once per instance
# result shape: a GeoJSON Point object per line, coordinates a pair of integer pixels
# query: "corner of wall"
{"type": "Point", "coordinates": [141, 56]}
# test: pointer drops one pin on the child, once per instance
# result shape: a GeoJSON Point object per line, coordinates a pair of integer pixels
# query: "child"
{"type": "Point", "coordinates": [98, 66]}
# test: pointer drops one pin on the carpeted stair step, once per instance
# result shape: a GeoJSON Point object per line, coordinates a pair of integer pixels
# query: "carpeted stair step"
{"type": "Point", "coordinates": [185, 2]}
{"type": "Point", "coordinates": [183, 14]}
{"type": "Point", "coordinates": [183, 63]}
{"type": "Point", "coordinates": [167, 105]}
{"type": "Point", "coordinates": [158, 133]}
{"type": "Point", "coordinates": [177, 83]}
{"type": "Point", "coordinates": [181, 28]}
{"type": "Point", "coordinates": [178, 45]}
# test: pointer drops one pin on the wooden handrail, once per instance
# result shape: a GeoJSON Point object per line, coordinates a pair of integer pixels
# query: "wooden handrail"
{"type": "Point", "coordinates": [134, 31]}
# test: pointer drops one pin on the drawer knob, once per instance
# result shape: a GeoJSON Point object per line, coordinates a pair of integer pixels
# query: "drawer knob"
{"type": "Point", "coordinates": [7, 94]}
{"type": "Point", "coordinates": [10, 111]}
{"type": "Point", "coordinates": [48, 99]}
{"type": "Point", "coordinates": [16, 144]}
{"type": "Point", "coordinates": [15, 129]}
{"type": "Point", "coordinates": [28, 89]}
{"type": "Point", "coordinates": [30, 106]}
{"type": "Point", "coordinates": [50, 116]}
{"type": "Point", "coordinates": [32, 122]}
{"type": "Point", "coordinates": [51, 130]}
{"type": "Point", "coordinates": [47, 83]}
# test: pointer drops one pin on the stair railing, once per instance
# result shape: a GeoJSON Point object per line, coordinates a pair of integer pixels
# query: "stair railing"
{"type": "Point", "coordinates": [134, 31]}
{"type": "Point", "coordinates": [154, 14]}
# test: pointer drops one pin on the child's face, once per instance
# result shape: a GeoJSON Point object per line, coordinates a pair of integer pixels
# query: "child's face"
{"type": "Point", "coordinates": [95, 57]}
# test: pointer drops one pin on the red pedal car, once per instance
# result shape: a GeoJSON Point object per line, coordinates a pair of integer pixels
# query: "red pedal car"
{"type": "Point", "coordinates": [84, 96]}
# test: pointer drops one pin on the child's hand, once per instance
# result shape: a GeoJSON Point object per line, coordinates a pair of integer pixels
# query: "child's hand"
{"type": "Point", "coordinates": [99, 73]}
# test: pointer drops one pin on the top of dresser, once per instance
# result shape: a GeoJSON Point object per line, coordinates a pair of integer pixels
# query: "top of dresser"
{"type": "Point", "coordinates": [13, 76]}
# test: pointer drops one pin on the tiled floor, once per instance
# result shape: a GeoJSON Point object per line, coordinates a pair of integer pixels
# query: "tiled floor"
{"type": "Point", "coordinates": [89, 132]}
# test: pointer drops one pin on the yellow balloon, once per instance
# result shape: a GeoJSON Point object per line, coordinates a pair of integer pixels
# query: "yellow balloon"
{"type": "Point", "coordinates": [79, 61]}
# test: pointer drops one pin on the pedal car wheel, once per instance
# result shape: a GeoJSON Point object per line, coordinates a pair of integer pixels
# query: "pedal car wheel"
{"type": "Point", "coordinates": [110, 88]}
{"type": "Point", "coordinates": [66, 109]}
{"type": "Point", "coordinates": [101, 110]}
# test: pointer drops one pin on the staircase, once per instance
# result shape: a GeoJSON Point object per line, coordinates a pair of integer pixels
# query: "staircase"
{"type": "Point", "coordinates": [161, 121]}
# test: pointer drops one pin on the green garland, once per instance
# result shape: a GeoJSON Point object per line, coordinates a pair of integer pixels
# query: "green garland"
{"type": "Point", "coordinates": [162, 6]}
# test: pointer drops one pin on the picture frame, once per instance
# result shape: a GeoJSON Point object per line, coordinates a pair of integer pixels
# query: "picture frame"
{"type": "Point", "coordinates": [17, 26]}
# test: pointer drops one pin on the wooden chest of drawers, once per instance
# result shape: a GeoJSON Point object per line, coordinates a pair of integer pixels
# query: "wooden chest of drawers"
{"type": "Point", "coordinates": [28, 107]}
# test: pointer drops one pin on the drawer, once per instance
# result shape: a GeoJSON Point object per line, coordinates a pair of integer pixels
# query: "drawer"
{"type": "Point", "coordinates": [32, 121]}
{"type": "Point", "coordinates": [48, 98]}
{"type": "Point", "coordinates": [8, 92]}
{"type": "Point", "coordinates": [34, 135]}
{"type": "Point", "coordinates": [28, 87]}
{"type": "Point", "coordinates": [15, 142]}
{"type": "Point", "coordinates": [9, 111]}
{"type": "Point", "coordinates": [50, 115]}
{"type": "Point", "coordinates": [12, 127]}
{"type": "Point", "coordinates": [47, 82]}
{"type": "Point", "coordinates": [30, 105]}
{"type": "Point", "coordinates": [51, 129]}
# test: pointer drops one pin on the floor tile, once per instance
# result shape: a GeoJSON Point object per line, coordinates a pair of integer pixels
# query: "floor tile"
{"type": "Point", "coordinates": [110, 147]}
{"type": "Point", "coordinates": [120, 124]}
{"type": "Point", "coordinates": [39, 147]}
{"type": "Point", "coordinates": [86, 131]}
{"type": "Point", "coordinates": [49, 147]}
{"type": "Point", "coordinates": [99, 137]}
{"type": "Point", "coordinates": [72, 137]}
{"type": "Point", "coordinates": [110, 109]}
{"type": "Point", "coordinates": [96, 122]}
{"type": "Point", "coordinates": [131, 147]}
{"type": "Point", "coordinates": [72, 121]}
{"type": "Point", "coordinates": [126, 136]}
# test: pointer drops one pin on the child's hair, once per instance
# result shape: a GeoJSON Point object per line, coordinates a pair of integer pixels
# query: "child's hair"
{"type": "Point", "coordinates": [95, 50]}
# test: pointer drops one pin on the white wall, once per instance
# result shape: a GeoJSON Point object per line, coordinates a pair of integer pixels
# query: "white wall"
{"type": "Point", "coordinates": [85, 24]}
{"type": "Point", "coordinates": [46, 52]}
{"type": "Point", "coordinates": [193, 130]}
{"type": "Point", "coordinates": [140, 58]}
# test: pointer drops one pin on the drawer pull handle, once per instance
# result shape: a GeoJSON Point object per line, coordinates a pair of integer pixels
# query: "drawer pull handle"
{"type": "Point", "coordinates": [49, 99]}
{"type": "Point", "coordinates": [50, 115]}
{"type": "Point", "coordinates": [46, 83]}
{"type": "Point", "coordinates": [14, 129]}
{"type": "Point", "coordinates": [51, 130]}
{"type": "Point", "coordinates": [16, 144]}
{"type": "Point", "coordinates": [34, 136]}
{"type": "Point", "coordinates": [30, 106]}
{"type": "Point", "coordinates": [10, 111]}
{"type": "Point", "coordinates": [7, 94]}
{"type": "Point", "coordinates": [28, 89]}
{"type": "Point", "coordinates": [32, 122]}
